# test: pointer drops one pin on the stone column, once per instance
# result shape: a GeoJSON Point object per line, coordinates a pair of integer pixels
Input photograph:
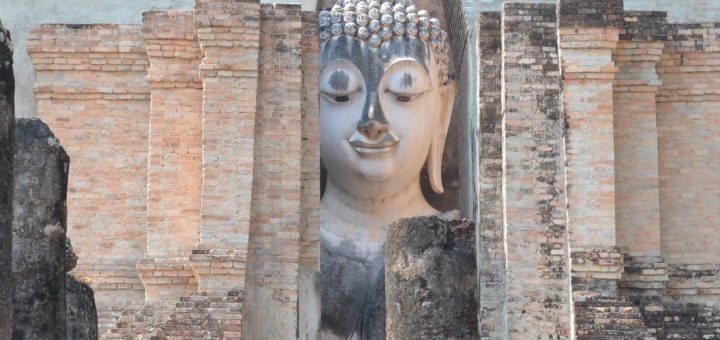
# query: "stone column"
{"type": "Point", "coordinates": [637, 195]}
{"type": "Point", "coordinates": [174, 154]}
{"type": "Point", "coordinates": [7, 122]}
{"type": "Point", "coordinates": [430, 279]}
{"type": "Point", "coordinates": [588, 34]}
{"type": "Point", "coordinates": [40, 217]}
{"type": "Point", "coordinates": [80, 311]}
{"type": "Point", "coordinates": [537, 303]}
{"type": "Point", "coordinates": [229, 34]}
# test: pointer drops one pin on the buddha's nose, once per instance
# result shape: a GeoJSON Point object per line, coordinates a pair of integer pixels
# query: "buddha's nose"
{"type": "Point", "coordinates": [372, 128]}
{"type": "Point", "coordinates": [373, 123]}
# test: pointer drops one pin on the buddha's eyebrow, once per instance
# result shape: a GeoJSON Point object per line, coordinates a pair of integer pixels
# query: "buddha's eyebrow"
{"type": "Point", "coordinates": [407, 80]}
{"type": "Point", "coordinates": [339, 80]}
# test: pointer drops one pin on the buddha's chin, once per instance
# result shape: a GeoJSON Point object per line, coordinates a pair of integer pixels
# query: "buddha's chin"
{"type": "Point", "coordinates": [375, 170]}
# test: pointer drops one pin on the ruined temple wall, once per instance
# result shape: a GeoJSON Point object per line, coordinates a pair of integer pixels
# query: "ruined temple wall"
{"type": "Point", "coordinates": [275, 227]}
{"type": "Point", "coordinates": [91, 91]}
{"type": "Point", "coordinates": [491, 254]}
{"type": "Point", "coordinates": [174, 153]}
{"type": "Point", "coordinates": [641, 41]}
{"type": "Point", "coordinates": [309, 271]}
{"type": "Point", "coordinates": [537, 303]}
{"type": "Point", "coordinates": [136, 107]}
{"type": "Point", "coordinates": [688, 121]}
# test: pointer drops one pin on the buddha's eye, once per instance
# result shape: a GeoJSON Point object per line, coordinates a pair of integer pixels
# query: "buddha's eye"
{"type": "Point", "coordinates": [403, 99]}
{"type": "Point", "coordinates": [342, 99]}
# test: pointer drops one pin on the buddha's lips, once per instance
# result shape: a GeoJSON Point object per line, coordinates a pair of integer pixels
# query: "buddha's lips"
{"type": "Point", "coordinates": [384, 144]}
{"type": "Point", "coordinates": [381, 147]}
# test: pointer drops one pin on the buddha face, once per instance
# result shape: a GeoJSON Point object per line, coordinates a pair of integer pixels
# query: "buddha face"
{"type": "Point", "coordinates": [381, 111]}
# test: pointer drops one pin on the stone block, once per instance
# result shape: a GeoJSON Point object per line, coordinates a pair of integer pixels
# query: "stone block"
{"type": "Point", "coordinates": [7, 122]}
{"type": "Point", "coordinates": [430, 280]}
{"type": "Point", "coordinates": [80, 312]}
{"type": "Point", "coordinates": [39, 225]}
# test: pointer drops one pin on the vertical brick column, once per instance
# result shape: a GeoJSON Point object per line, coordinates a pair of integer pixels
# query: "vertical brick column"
{"type": "Point", "coordinates": [491, 264]}
{"type": "Point", "coordinates": [91, 91]}
{"type": "Point", "coordinates": [174, 154]}
{"type": "Point", "coordinates": [7, 123]}
{"type": "Point", "coordinates": [228, 32]}
{"type": "Point", "coordinates": [637, 201]}
{"type": "Point", "coordinates": [308, 282]}
{"type": "Point", "coordinates": [588, 34]}
{"type": "Point", "coordinates": [688, 123]}
{"type": "Point", "coordinates": [537, 302]}
{"type": "Point", "coordinates": [270, 310]}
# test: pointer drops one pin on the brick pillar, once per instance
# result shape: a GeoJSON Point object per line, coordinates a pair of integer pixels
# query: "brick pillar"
{"type": "Point", "coordinates": [270, 310]}
{"type": "Point", "coordinates": [228, 32]}
{"type": "Point", "coordinates": [91, 91]}
{"type": "Point", "coordinates": [688, 149]}
{"type": "Point", "coordinates": [637, 196]}
{"type": "Point", "coordinates": [537, 303]}
{"type": "Point", "coordinates": [491, 264]}
{"type": "Point", "coordinates": [174, 154]}
{"type": "Point", "coordinates": [588, 34]}
{"type": "Point", "coordinates": [308, 280]}
{"type": "Point", "coordinates": [7, 122]}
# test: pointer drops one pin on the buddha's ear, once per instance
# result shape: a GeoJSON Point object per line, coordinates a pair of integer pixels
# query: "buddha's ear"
{"type": "Point", "coordinates": [437, 146]}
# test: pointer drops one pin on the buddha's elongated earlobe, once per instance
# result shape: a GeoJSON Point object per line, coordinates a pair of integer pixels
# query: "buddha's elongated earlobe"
{"type": "Point", "coordinates": [435, 155]}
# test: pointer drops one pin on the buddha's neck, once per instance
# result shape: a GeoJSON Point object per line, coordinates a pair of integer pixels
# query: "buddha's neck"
{"type": "Point", "coordinates": [367, 219]}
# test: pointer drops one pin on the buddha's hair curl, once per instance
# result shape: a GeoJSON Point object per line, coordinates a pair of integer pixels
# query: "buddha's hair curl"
{"type": "Point", "coordinates": [377, 21]}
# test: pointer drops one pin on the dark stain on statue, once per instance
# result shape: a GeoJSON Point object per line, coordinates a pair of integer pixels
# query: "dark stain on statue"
{"type": "Point", "coordinates": [407, 81]}
{"type": "Point", "coordinates": [339, 80]}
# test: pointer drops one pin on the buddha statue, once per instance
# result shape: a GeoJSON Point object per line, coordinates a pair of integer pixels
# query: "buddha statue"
{"type": "Point", "coordinates": [385, 106]}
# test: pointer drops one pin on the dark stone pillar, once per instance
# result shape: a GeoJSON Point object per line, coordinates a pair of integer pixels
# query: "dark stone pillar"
{"type": "Point", "coordinates": [80, 311]}
{"type": "Point", "coordinates": [7, 120]}
{"type": "Point", "coordinates": [430, 279]}
{"type": "Point", "coordinates": [41, 170]}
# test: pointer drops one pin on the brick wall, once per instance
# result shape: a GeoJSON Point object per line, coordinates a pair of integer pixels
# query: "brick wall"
{"type": "Point", "coordinates": [587, 36]}
{"type": "Point", "coordinates": [537, 302]}
{"type": "Point", "coordinates": [309, 271]}
{"type": "Point", "coordinates": [174, 154]}
{"type": "Point", "coordinates": [271, 285]}
{"type": "Point", "coordinates": [588, 73]}
{"type": "Point", "coordinates": [490, 206]}
{"type": "Point", "coordinates": [637, 198]}
{"type": "Point", "coordinates": [91, 91]}
{"type": "Point", "coordinates": [229, 35]}
{"type": "Point", "coordinates": [688, 123]}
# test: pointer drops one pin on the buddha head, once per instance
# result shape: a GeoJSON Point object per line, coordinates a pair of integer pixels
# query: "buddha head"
{"type": "Point", "coordinates": [385, 96]}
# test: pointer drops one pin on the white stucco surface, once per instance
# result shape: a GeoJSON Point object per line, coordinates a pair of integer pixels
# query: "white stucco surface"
{"type": "Point", "coordinates": [19, 15]}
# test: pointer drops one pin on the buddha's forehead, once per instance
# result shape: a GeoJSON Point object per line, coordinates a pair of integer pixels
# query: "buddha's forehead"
{"type": "Point", "coordinates": [374, 61]}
